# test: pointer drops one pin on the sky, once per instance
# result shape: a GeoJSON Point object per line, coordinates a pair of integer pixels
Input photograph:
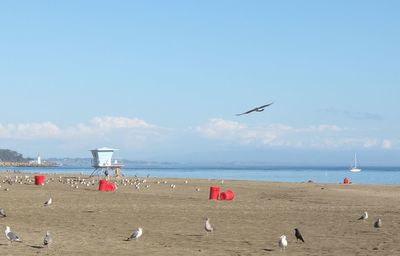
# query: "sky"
{"type": "Point", "coordinates": [164, 80]}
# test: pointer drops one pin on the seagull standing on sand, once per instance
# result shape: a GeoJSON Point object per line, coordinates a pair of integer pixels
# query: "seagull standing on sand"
{"type": "Point", "coordinates": [378, 223]}
{"type": "Point", "coordinates": [2, 213]}
{"type": "Point", "coordinates": [364, 216]}
{"type": "Point", "coordinates": [257, 109]}
{"type": "Point", "coordinates": [208, 227]}
{"type": "Point", "coordinates": [12, 237]}
{"type": "Point", "coordinates": [47, 239]}
{"type": "Point", "coordinates": [136, 234]}
{"type": "Point", "coordinates": [298, 235]}
{"type": "Point", "coordinates": [282, 242]}
{"type": "Point", "coordinates": [48, 202]}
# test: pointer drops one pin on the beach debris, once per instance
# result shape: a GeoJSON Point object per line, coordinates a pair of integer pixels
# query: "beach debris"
{"type": "Point", "coordinates": [298, 235]}
{"type": "Point", "coordinates": [2, 213]}
{"type": "Point", "coordinates": [47, 240]}
{"type": "Point", "coordinates": [11, 236]}
{"type": "Point", "coordinates": [135, 234]}
{"type": "Point", "coordinates": [197, 189]}
{"type": "Point", "coordinates": [48, 202]}
{"type": "Point", "coordinates": [208, 227]}
{"type": "Point", "coordinates": [364, 216]}
{"type": "Point", "coordinates": [282, 242]}
{"type": "Point", "coordinates": [378, 223]}
{"type": "Point", "coordinates": [257, 109]}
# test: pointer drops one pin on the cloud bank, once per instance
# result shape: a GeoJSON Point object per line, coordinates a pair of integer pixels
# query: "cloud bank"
{"type": "Point", "coordinates": [136, 136]}
{"type": "Point", "coordinates": [102, 129]}
{"type": "Point", "coordinates": [324, 136]}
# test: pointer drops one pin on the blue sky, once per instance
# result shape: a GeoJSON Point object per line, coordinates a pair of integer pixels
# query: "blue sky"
{"type": "Point", "coordinates": [163, 80]}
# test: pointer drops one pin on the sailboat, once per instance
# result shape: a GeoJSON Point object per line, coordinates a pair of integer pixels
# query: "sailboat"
{"type": "Point", "coordinates": [354, 168]}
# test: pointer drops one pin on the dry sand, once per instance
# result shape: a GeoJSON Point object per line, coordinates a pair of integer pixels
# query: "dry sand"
{"type": "Point", "coordinates": [85, 221]}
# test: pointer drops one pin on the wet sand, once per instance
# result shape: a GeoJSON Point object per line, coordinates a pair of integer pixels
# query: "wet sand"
{"type": "Point", "coordinates": [85, 221]}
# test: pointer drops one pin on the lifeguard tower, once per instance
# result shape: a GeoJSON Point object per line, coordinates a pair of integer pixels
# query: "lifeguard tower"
{"type": "Point", "coordinates": [102, 161]}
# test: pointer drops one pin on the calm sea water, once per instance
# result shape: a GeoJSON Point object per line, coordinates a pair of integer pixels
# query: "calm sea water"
{"type": "Point", "coordinates": [322, 174]}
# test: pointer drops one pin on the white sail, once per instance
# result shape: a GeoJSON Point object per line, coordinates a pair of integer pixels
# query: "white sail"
{"type": "Point", "coordinates": [355, 168]}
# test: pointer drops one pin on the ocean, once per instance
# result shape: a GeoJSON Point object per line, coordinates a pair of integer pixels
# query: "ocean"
{"type": "Point", "coordinates": [320, 174]}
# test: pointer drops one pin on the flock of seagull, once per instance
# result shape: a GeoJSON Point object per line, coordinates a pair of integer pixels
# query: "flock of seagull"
{"type": "Point", "coordinates": [74, 183]}
{"type": "Point", "coordinates": [137, 233]}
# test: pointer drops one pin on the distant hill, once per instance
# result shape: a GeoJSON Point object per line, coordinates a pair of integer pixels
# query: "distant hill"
{"type": "Point", "coordinates": [87, 163]}
{"type": "Point", "coordinates": [7, 155]}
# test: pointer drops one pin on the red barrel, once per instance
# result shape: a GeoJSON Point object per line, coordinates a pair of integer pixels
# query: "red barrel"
{"type": "Point", "coordinates": [110, 187]}
{"type": "Point", "coordinates": [40, 180]}
{"type": "Point", "coordinates": [226, 195]}
{"type": "Point", "coordinates": [346, 181]}
{"type": "Point", "coordinates": [214, 192]}
{"type": "Point", "coordinates": [103, 185]}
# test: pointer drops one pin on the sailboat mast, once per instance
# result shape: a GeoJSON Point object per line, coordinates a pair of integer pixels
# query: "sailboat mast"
{"type": "Point", "coordinates": [355, 160]}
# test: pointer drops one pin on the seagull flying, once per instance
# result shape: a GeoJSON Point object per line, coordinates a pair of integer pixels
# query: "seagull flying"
{"type": "Point", "coordinates": [47, 239]}
{"type": "Point", "coordinates": [208, 227]}
{"type": "Point", "coordinates": [136, 234]}
{"type": "Point", "coordinates": [257, 109]}
{"type": "Point", "coordinates": [48, 202]}
{"type": "Point", "coordinates": [12, 237]}
{"type": "Point", "coordinates": [282, 242]}
{"type": "Point", "coordinates": [378, 223]}
{"type": "Point", "coordinates": [2, 213]}
{"type": "Point", "coordinates": [298, 235]}
{"type": "Point", "coordinates": [364, 216]}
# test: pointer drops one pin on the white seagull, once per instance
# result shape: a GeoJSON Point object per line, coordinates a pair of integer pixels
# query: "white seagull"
{"type": "Point", "coordinates": [378, 223]}
{"type": "Point", "coordinates": [48, 202]}
{"type": "Point", "coordinates": [12, 237]}
{"type": "Point", "coordinates": [2, 213]}
{"type": "Point", "coordinates": [364, 216]}
{"type": "Point", "coordinates": [47, 240]}
{"type": "Point", "coordinates": [208, 227]}
{"type": "Point", "coordinates": [136, 234]}
{"type": "Point", "coordinates": [282, 242]}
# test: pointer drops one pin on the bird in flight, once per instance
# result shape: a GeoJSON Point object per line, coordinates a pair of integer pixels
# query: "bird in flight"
{"type": "Point", "coordinates": [257, 109]}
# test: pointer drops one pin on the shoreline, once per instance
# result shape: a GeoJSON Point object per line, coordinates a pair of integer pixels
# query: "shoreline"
{"type": "Point", "coordinates": [129, 175]}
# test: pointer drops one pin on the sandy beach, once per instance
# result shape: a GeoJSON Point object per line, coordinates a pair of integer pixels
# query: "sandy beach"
{"type": "Point", "coordinates": [85, 221]}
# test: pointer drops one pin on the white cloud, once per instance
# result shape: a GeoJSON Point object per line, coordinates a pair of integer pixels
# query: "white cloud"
{"type": "Point", "coordinates": [29, 130]}
{"type": "Point", "coordinates": [387, 144]}
{"type": "Point", "coordinates": [99, 127]}
{"type": "Point", "coordinates": [323, 136]}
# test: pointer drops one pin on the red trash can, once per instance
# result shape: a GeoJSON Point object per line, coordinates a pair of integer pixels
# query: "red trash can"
{"type": "Point", "coordinates": [103, 185]}
{"type": "Point", "coordinates": [226, 195]}
{"type": "Point", "coordinates": [214, 193]}
{"type": "Point", "coordinates": [110, 187]}
{"type": "Point", "coordinates": [40, 180]}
